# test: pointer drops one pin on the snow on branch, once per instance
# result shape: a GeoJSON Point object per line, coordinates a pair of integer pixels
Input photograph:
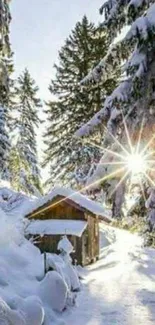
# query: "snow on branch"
{"type": "Point", "coordinates": [137, 64]}
{"type": "Point", "coordinates": [135, 67]}
{"type": "Point", "coordinates": [142, 25]}
{"type": "Point", "coordinates": [120, 51]}
{"type": "Point", "coordinates": [113, 8]}
{"type": "Point", "coordinates": [120, 94]}
{"type": "Point", "coordinates": [103, 168]}
{"type": "Point", "coordinates": [106, 65]}
{"type": "Point", "coordinates": [110, 9]}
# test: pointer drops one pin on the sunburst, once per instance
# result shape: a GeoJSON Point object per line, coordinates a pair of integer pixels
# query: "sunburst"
{"type": "Point", "coordinates": [133, 161]}
{"type": "Point", "coordinates": [137, 161]}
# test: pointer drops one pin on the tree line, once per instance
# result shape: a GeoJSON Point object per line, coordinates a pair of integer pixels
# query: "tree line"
{"type": "Point", "coordinates": [67, 158]}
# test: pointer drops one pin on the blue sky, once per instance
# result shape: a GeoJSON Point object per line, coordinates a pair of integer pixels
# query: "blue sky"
{"type": "Point", "coordinates": [38, 30]}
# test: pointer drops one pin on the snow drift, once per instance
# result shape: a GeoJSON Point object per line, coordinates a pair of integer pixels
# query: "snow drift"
{"type": "Point", "coordinates": [27, 297]}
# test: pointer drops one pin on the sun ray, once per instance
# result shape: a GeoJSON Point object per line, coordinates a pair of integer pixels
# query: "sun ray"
{"type": "Point", "coordinates": [106, 149]}
{"type": "Point", "coordinates": [130, 185]}
{"type": "Point", "coordinates": [128, 113]}
{"type": "Point", "coordinates": [140, 136]}
{"type": "Point", "coordinates": [120, 182]}
{"type": "Point", "coordinates": [114, 153]}
{"type": "Point", "coordinates": [148, 144]}
{"type": "Point", "coordinates": [141, 156]}
{"type": "Point", "coordinates": [85, 188]}
{"type": "Point", "coordinates": [142, 189]}
{"type": "Point", "coordinates": [151, 153]}
{"type": "Point", "coordinates": [151, 169]}
{"type": "Point", "coordinates": [149, 179]}
{"type": "Point", "coordinates": [116, 141]}
{"type": "Point", "coordinates": [125, 158]}
{"type": "Point", "coordinates": [150, 161]}
{"type": "Point", "coordinates": [112, 163]}
{"type": "Point", "coordinates": [127, 134]}
{"type": "Point", "coordinates": [93, 144]}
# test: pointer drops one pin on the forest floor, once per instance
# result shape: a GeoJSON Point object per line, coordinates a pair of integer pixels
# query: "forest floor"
{"type": "Point", "coordinates": [118, 289]}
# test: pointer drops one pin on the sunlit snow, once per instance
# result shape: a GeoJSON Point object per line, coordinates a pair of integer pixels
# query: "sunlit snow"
{"type": "Point", "coordinates": [120, 288]}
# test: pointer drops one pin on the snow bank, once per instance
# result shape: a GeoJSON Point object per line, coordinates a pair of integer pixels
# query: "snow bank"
{"type": "Point", "coordinates": [26, 296]}
{"type": "Point", "coordinates": [14, 204]}
{"type": "Point", "coordinates": [53, 291]}
{"type": "Point", "coordinates": [33, 311]}
{"type": "Point", "coordinates": [8, 231]}
{"type": "Point", "coordinates": [10, 317]}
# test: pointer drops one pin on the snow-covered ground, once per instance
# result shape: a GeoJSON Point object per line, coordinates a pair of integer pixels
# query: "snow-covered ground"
{"type": "Point", "coordinates": [120, 288]}
{"type": "Point", "coordinates": [27, 296]}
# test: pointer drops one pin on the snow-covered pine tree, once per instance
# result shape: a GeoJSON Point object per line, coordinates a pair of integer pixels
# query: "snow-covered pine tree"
{"type": "Point", "coordinates": [74, 105]}
{"type": "Point", "coordinates": [5, 70]}
{"type": "Point", "coordinates": [149, 231]}
{"type": "Point", "coordinates": [19, 171]}
{"type": "Point", "coordinates": [135, 95]}
{"type": "Point", "coordinates": [8, 100]}
{"type": "Point", "coordinates": [26, 124]}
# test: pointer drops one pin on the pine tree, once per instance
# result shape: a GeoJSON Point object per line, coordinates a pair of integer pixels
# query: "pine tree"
{"type": "Point", "coordinates": [5, 70]}
{"type": "Point", "coordinates": [20, 174]}
{"type": "Point", "coordinates": [74, 105]}
{"type": "Point", "coordinates": [5, 53]}
{"type": "Point", "coordinates": [8, 100]}
{"type": "Point", "coordinates": [16, 166]}
{"type": "Point", "coordinates": [149, 230]}
{"type": "Point", "coordinates": [27, 122]}
{"type": "Point", "coordinates": [134, 98]}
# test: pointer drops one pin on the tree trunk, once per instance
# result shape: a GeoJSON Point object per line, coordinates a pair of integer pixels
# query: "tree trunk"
{"type": "Point", "coordinates": [118, 200]}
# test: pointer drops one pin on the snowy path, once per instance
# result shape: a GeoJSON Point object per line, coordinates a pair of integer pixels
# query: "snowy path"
{"type": "Point", "coordinates": [120, 288]}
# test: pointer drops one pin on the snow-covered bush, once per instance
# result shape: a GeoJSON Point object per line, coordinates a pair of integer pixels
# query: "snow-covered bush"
{"type": "Point", "coordinates": [65, 247]}
{"type": "Point", "coordinates": [62, 263]}
{"type": "Point", "coordinates": [10, 317]}
{"type": "Point", "coordinates": [64, 267]}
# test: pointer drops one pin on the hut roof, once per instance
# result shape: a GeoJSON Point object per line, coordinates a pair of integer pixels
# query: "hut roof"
{"type": "Point", "coordinates": [78, 198]}
{"type": "Point", "coordinates": [56, 227]}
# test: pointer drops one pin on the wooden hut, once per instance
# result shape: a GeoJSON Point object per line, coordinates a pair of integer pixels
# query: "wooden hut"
{"type": "Point", "coordinates": [65, 212]}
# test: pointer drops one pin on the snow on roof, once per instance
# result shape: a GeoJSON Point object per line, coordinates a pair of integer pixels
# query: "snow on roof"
{"type": "Point", "coordinates": [74, 196]}
{"type": "Point", "coordinates": [56, 227]}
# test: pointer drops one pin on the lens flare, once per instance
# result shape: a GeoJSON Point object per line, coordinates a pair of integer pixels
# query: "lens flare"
{"type": "Point", "coordinates": [131, 162]}
{"type": "Point", "coordinates": [136, 164]}
{"type": "Point", "coordinates": [136, 161]}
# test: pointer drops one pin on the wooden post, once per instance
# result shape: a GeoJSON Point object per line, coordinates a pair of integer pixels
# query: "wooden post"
{"type": "Point", "coordinates": [44, 263]}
